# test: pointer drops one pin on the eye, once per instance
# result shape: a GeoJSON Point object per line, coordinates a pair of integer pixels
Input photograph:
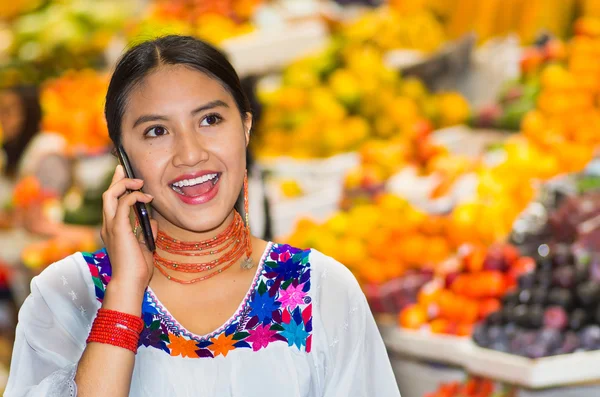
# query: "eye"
{"type": "Point", "coordinates": [211, 119]}
{"type": "Point", "coordinates": [156, 131]}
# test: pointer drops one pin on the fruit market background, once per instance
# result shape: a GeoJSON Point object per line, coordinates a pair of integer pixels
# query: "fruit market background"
{"type": "Point", "coordinates": [445, 151]}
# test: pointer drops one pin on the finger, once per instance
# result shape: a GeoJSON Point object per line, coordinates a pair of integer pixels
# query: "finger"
{"type": "Point", "coordinates": [121, 218]}
{"type": "Point", "coordinates": [118, 175]}
{"type": "Point", "coordinates": [111, 197]}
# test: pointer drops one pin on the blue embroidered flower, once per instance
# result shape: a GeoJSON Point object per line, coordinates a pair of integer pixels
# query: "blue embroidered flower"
{"type": "Point", "coordinates": [263, 306]}
{"type": "Point", "coordinates": [295, 334]}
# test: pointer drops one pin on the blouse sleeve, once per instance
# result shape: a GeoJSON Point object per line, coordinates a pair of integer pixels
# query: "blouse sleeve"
{"type": "Point", "coordinates": [358, 363]}
{"type": "Point", "coordinates": [53, 326]}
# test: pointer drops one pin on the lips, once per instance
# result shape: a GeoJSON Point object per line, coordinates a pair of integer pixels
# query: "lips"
{"type": "Point", "coordinates": [197, 188]}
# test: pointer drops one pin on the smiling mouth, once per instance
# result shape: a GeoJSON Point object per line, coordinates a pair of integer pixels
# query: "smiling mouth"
{"type": "Point", "coordinates": [196, 186]}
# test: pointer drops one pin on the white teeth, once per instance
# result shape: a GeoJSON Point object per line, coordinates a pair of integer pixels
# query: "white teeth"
{"type": "Point", "coordinates": [195, 181]}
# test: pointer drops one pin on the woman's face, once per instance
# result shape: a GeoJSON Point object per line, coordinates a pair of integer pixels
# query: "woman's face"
{"type": "Point", "coordinates": [185, 137]}
{"type": "Point", "coordinates": [12, 115]}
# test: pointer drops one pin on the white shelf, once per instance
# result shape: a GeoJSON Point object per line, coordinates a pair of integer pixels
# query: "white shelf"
{"type": "Point", "coordinates": [548, 372]}
{"type": "Point", "coordinates": [270, 49]}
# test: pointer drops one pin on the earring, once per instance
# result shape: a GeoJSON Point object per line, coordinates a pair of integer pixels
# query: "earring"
{"type": "Point", "coordinates": [247, 263]}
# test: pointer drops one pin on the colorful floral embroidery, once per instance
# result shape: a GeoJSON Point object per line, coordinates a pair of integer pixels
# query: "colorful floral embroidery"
{"type": "Point", "coordinates": [100, 268]}
{"type": "Point", "coordinates": [278, 308]}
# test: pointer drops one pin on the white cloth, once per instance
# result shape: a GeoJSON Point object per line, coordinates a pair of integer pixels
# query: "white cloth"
{"type": "Point", "coordinates": [348, 357]}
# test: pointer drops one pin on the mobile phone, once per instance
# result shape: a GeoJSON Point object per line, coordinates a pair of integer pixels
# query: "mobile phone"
{"type": "Point", "coordinates": [139, 208]}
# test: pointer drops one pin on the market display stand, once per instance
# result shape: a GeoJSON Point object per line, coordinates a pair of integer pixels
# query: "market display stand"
{"type": "Point", "coordinates": [445, 357]}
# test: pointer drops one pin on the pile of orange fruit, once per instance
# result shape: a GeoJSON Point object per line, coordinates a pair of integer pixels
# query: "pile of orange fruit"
{"type": "Point", "coordinates": [29, 192]}
{"type": "Point", "coordinates": [37, 256]}
{"type": "Point", "coordinates": [379, 241]}
{"type": "Point", "coordinates": [568, 111]}
{"type": "Point", "coordinates": [466, 290]}
{"type": "Point", "coordinates": [210, 20]}
{"type": "Point", "coordinates": [473, 387]}
{"type": "Point", "coordinates": [73, 107]}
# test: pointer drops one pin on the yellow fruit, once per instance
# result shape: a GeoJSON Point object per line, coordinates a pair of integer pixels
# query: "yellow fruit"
{"type": "Point", "coordinates": [346, 87]}
{"type": "Point", "coordinates": [291, 189]}
{"type": "Point", "coordinates": [453, 109]}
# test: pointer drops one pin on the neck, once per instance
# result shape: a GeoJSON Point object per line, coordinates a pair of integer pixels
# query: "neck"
{"type": "Point", "coordinates": [204, 257]}
{"type": "Point", "coordinates": [191, 236]}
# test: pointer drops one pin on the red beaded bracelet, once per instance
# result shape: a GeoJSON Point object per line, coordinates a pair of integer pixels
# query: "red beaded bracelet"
{"type": "Point", "coordinates": [117, 329]}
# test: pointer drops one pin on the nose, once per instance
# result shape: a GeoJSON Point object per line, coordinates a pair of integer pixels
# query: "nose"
{"type": "Point", "coordinates": [190, 150]}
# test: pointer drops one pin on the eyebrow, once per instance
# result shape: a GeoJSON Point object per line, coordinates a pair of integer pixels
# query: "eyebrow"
{"type": "Point", "coordinates": [154, 117]}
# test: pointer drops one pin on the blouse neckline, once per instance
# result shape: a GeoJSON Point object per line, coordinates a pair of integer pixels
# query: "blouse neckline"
{"type": "Point", "coordinates": [241, 307]}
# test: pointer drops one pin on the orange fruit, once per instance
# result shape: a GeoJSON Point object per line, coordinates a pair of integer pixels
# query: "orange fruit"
{"type": "Point", "coordinates": [488, 306]}
{"type": "Point", "coordinates": [413, 317]}
{"type": "Point", "coordinates": [464, 329]}
{"type": "Point", "coordinates": [439, 326]}
{"type": "Point", "coordinates": [470, 312]}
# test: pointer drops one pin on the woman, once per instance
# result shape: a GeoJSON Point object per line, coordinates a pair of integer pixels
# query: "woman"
{"type": "Point", "coordinates": [214, 311]}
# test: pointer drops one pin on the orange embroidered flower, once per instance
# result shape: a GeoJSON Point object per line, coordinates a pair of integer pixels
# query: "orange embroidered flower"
{"type": "Point", "coordinates": [222, 345]}
{"type": "Point", "coordinates": [182, 347]}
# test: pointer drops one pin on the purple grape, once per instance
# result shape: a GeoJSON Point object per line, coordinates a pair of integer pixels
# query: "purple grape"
{"type": "Point", "coordinates": [536, 350]}
{"type": "Point", "coordinates": [511, 330]}
{"type": "Point", "coordinates": [582, 273]}
{"type": "Point", "coordinates": [521, 315]}
{"type": "Point", "coordinates": [578, 319]}
{"type": "Point", "coordinates": [511, 297]}
{"type": "Point", "coordinates": [551, 337]}
{"type": "Point", "coordinates": [590, 337]}
{"type": "Point", "coordinates": [521, 341]}
{"type": "Point", "coordinates": [494, 318]}
{"type": "Point", "coordinates": [571, 343]}
{"type": "Point", "coordinates": [564, 276]}
{"type": "Point", "coordinates": [480, 335]}
{"type": "Point", "coordinates": [500, 345]}
{"type": "Point", "coordinates": [594, 273]}
{"type": "Point", "coordinates": [588, 293]}
{"type": "Point", "coordinates": [535, 316]}
{"type": "Point", "coordinates": [527, 280]}
{"type": "Point", "coordinates": [539, 295]}
{"type": "Point", "coordinates": [563, 256]}
{"type": "Point", "coordinates": [508, 313]}
{"type": "Point", "coordinates": [555, 317]}
{"type": "Point", "coordinates": [544, 279]}
{"type": "Point", "coordinates": [561, 297]}
{"type": "Point", "coordinates": [495, 333]}
{"type": "Point", "coordinates": [525, 296]}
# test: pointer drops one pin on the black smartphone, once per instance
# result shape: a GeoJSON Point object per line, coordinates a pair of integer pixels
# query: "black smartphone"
{"type": "Point", "coordinates": [140, 208]}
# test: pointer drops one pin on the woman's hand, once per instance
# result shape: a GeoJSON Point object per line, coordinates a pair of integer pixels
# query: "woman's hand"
{"type": "Point", "coordinates": [132, 262]}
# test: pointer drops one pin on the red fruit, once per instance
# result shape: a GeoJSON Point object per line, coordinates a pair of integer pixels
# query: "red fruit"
{"type": "Point", "coordinates": [531, 60]}
{"type": "Point", "coordinates": [555, 50]}
{"type": "Point", "coordinates": [450, 279]}
{"type": "Point", "coordinates": [511, 253]}
{"type": "Point", "coordinates": [469, 388]}
{"type": "Point", "coordinates": [495, 259]}
{"type": "Point", "coordinates": [422, 129]}
{"type": "Point", "coordinates": [522, 265]}
{"type": "Point", "coordinates": [556, 318]}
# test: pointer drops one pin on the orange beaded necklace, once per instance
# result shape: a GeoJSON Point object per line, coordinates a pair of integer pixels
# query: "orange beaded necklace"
{"type": "Point", "coordinates": [232, 243]}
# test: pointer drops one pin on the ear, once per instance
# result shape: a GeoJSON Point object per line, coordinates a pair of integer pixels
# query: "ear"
{"type": "Point", "coordinates": [247, 126]}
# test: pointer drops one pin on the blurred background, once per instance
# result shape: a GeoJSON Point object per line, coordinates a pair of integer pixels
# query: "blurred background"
{"type": "Point", "coordinates": [443, 150]}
